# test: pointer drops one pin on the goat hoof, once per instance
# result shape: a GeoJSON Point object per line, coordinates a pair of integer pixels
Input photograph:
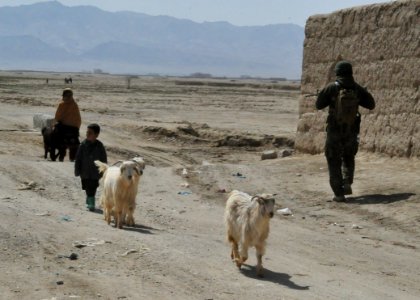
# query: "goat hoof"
{"type": "Point", "coordinates": [260, 272]}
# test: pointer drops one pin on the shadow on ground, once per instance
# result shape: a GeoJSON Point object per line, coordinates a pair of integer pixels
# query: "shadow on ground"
{"type": "Point", "coordinates": [379, 198]}
{"type": "Point", "coordinates": [136, 228]}
{"type": "Point", "coordinates": [140, 229]}
{"type": "Point", "coordinates": [98, 211]}
{"type": "Point", "coordinates": [275, 277]}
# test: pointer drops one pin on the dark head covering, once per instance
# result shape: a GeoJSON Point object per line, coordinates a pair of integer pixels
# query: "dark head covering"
{"type": "Point", "coordinates": [343, 69]}
{"type": "Point", "coordinates": [67, 91]}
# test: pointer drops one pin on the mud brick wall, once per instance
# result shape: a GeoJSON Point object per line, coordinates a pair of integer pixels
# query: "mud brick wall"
{"type": "Point", "coordinates": [382, 41]}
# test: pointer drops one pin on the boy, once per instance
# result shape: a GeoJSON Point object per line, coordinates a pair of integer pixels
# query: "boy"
{"type": "Point", "coordinates": [90, 149]}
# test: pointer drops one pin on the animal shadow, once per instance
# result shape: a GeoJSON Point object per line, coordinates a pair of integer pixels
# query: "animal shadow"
{"type": "Point", "coordinates": [379, 198]}
{"type": "Point", "coordinates": [137, 227]}
{"type": "Point", "coordinates": [140, 229]}
{"type": "Point", "coordinates": [275, 277]}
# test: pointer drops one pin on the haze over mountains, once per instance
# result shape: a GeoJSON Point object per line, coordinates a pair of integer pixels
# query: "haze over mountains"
{"type": "Point", "coordinates": [50, 36]}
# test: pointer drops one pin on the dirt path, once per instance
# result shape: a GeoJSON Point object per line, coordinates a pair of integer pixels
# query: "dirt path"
{"type": "Point", "coordinates": [178, 244]}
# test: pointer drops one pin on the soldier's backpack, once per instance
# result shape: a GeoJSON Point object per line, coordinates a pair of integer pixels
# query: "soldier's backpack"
{"type": "Point", "coordinates": [346, 106]}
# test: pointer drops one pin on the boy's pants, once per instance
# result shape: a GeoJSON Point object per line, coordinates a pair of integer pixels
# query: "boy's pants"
{"type": "Point", "coordinates": [90, 186]}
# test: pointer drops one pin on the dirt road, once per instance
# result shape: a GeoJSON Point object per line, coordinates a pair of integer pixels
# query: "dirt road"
{"type": "Point", "coordinates": [367, 248]}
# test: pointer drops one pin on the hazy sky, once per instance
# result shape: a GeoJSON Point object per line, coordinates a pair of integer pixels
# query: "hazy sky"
{"type": "Point", "coordinates": [238, 12]}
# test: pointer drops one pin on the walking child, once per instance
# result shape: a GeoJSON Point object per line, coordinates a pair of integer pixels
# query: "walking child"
{"type": "Point", "coordinates": [90, 149]}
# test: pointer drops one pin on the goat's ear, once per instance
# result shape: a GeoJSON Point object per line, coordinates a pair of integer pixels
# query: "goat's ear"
{"type": "Point", "coordinates": [138, 170]}
{"type": "Point", "coordinates": [259, 199]}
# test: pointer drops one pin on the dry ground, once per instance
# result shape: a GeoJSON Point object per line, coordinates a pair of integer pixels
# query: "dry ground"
{"type": "Point", "coordinates": [180, 251]}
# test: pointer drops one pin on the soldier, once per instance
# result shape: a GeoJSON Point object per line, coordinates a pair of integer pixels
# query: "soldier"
{"type": "Point", "coordinates": [343, 125]}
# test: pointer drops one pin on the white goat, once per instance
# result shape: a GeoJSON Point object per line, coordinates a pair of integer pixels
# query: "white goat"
{"type": "Point", "coordinates": [247, 222]}
{"type": "Point", "coordinates": [120, 185]}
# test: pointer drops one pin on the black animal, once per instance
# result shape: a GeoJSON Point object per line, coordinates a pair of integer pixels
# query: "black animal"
{"type": "Point", "coordinates": [52, 144]}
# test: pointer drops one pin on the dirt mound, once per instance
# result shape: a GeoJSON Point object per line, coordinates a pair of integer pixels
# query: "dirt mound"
{"type": "Point", "coordinates": [189, 130]}
{"type": "Point", "coordinates": [240, 141]}
{"type": "Point", "coordinates": [202, 133]}
{"type": "Point", "coordinates": [245, 141]}
{"type": "Point", "coordinates": [179, 132]}
{"type": "Point", "coordinates": [158, 130]}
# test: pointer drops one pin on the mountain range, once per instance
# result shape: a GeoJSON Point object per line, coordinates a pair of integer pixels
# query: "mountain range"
{"type": "Point", "coordinates": [51, 36]}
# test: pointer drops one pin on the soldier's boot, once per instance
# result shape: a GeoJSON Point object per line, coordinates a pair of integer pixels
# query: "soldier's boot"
{"type": "Point", "coordinates": [347, 189]}
{"type": "Point", "coordinates": [339, 198]}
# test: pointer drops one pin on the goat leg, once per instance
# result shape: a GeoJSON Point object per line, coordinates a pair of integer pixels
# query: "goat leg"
{"type": "Point", "coordinates": [235, 252]}
{"type": "Point", "coordinates": [118, 218]}
{"type": "Point", "coordinates": [260, 253]}
{"type": "Point", "coordinates": [130, 217]}
{"type": "Point", "coordinates": [243, 255]}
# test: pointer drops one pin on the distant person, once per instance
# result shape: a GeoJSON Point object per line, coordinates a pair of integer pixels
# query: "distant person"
{"type": "Point", "coordinates": [68, 121]}
{"type": "Point", "coordinates": [90, 149]}
{"type": "Point", "coordinates": [343, 125]}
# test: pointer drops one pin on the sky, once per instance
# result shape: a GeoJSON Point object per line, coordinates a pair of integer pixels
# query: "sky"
{"type": "Point", "coordinates": [237, 12]}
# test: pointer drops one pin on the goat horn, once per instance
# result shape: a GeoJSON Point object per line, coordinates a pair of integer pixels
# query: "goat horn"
{"type": "Point", "coordinates": [118, 162]}
{"type": "Point", "coordinates": [138, 163]}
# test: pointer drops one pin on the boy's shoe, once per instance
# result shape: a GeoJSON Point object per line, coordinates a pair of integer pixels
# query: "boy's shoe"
{"type": "Point", "coordinates": [91, 203]}
{"type": "Point", "coordinates": [347, 189]}
{"type": "Point", "coordinates": [339, 198]}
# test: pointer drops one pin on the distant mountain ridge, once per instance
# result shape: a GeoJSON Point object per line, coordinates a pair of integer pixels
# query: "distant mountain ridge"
{"type": "Point", "coordinates": [51, 36]}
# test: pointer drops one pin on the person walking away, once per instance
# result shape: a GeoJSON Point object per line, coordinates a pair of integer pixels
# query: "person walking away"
{"type": "Point", "coordinates": [90, 149]}
{"type": "Point", "coordinates": [343, 98]}
{"type": "Point", "coordinates": [68, 122]}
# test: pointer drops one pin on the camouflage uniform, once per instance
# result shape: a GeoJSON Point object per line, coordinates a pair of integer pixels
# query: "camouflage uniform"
{"type": "Point", "coordinates": [342, 140]}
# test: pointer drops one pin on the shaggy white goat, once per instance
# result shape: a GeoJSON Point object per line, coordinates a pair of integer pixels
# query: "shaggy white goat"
{"type": "Point", "coordinates": [247, 222]}
{"type": "Point", "coordinates": [120, 185]}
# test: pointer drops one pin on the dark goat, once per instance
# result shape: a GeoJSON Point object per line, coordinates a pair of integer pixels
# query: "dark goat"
{"type": "Point", "coordinates": [51, 144]}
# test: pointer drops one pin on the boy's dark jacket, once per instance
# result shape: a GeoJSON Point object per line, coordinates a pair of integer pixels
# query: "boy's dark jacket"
{"type": "Point", "coordinates": [86, 155]}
